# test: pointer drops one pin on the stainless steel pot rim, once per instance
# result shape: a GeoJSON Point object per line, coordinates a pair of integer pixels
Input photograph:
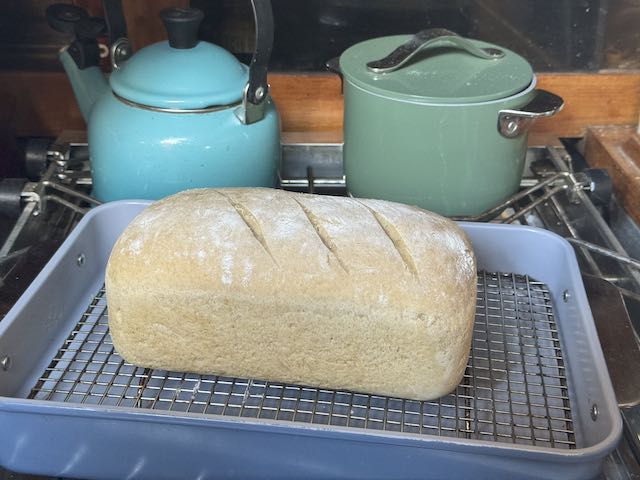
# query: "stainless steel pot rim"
{"type": "Point", "coordinates": [529, 89]}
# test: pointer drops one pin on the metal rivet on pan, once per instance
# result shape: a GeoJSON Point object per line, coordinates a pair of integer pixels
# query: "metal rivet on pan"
{"type": "Point", "coordinates": [566, 296]}
{"type": "Point", "coordinates": [80, 260]}
{"type": "Point", "coordinates": [512, 127]}
{"type": "Point", "coordinates": [259, 93]}
{"type": "Point", "coordinates": [5, 363]}
{"type": "Point", "coordinates": [594, 412]}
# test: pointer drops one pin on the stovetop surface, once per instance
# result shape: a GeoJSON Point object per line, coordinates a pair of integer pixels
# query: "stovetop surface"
{"type": "Point", "coordinates": [557, 194]}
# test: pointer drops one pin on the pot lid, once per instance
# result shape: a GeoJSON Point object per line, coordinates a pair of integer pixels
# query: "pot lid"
{"type": "Point", "coordinates": [181, 73]}
{"type": "Point", "coordinates": [442, 71]}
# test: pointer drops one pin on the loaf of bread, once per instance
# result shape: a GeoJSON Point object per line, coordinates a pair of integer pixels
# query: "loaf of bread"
{"type": "Point", "coordinates": [333, 292]}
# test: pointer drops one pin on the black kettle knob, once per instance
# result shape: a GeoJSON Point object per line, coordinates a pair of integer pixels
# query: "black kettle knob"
{"type": "Point", "coordinates": [68, 18]}
{"type": "Point", "coordinates": [182, 26]}
{"type": "Point", "coordinates": [64, 17]}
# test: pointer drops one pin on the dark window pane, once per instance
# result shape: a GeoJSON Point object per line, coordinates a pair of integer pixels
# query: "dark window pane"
{"type": "Point", "coordinates": [554, 35]}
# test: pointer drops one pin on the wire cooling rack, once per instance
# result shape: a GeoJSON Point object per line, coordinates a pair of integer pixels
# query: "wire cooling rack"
{"type": "Point", "coordinates": [514, 389]}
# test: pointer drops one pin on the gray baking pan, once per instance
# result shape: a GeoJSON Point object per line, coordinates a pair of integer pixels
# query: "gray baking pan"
{"type": "Point", "coordinates": [535, 402]}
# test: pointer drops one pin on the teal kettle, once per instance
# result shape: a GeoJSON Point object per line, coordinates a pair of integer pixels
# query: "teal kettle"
{"type": "Point", "coordinates": [177, 114]}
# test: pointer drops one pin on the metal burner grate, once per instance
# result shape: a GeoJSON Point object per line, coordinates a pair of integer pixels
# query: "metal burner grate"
{"type": "Point", "coordinates": [514, 389]}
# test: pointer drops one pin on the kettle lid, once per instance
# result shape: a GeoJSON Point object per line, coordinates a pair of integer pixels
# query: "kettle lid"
{"type": "Point", "coordinates": [181, 73]}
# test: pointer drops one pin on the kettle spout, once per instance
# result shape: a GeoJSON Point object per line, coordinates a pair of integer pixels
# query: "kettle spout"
{"type": "Point", "coordinates": [88, 84]}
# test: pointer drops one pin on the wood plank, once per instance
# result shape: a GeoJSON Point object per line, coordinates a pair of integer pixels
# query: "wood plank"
{"type": "Point", "coordinates": [591, 99]}
{"type": "Point", "coordinates": [314, 102]}
{"type": "Point", "coordinates": [617, 149]}
{"type": "Point", "coordinates": [40, 103]}
{"type": "Point", "coordinates": [311, 102]}
{"type": "Point", "coordinates": [43, 104]}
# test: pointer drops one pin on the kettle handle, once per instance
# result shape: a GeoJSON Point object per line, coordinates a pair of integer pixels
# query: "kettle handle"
{"type": "Point", "coordinates": [120, 50]}
{"type": "Point", "coordinates": [257, 89]}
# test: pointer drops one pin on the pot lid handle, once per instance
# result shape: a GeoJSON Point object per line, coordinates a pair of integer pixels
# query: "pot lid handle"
{"type": "Point", "coordinates": [425, 39]}
{"type": "Point", "coordinates": [257, 89]}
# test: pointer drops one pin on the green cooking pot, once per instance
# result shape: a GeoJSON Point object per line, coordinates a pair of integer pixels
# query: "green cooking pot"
{"type": "Point", "coordinates": [437, 120]}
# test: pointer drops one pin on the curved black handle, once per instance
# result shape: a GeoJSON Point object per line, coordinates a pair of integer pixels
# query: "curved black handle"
{"type": "Point", "coordinates": [91, 28]}
{"type": "Point", "coordinates": [182, 26]}
{"type": "Point", "coordinates": [116, 23]}
{"type": "Point", "coordinates": [120, 49]}
{"type": "Point", "coordinates": [263, 17]}
{"type": "Point", "coordinates": [257, 89]}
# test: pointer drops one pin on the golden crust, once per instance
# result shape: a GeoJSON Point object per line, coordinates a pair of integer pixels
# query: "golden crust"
{"type": "Point", "coordinates": [333, 292]}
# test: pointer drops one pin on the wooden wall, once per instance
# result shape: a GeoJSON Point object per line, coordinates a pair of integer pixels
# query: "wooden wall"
{"type": "Point", "coordinates": [42, 103]}
{"type": "Point", "coordinates": [314, 102]}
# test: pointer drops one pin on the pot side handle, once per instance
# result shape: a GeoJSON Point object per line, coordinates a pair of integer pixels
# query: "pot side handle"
{"type": "Point", "coordinates": [513, 123]}
{"type": "Point", "coordinates": [425, 39]}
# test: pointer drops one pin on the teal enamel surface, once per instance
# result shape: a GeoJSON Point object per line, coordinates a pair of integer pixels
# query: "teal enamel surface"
{"type": "Point", "coordinates": [450, 159]}
{"type": "Point", "coordinates": [166, 77]}
{"type": "Point", "coordinates": [88, 85]}
{"type": "Point", "coordinates": [438, 74]}
{"type": "Point", "coordinates": [143, 154]}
